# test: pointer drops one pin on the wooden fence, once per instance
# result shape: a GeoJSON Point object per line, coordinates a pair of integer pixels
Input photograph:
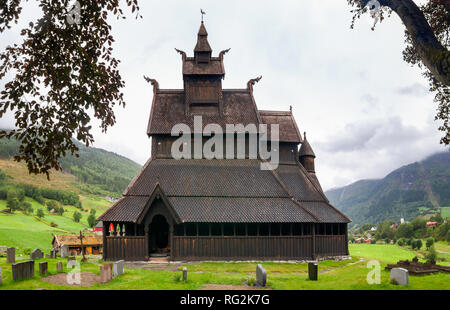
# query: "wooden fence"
{"type": "Point", "coordinates": [231, 248]}
{"type": "Point", "coordinates": [127, 248]}
{"type": "Point", "coordinates": [331, 245]}
{"type": "Point", "coordinates": [241, 248]}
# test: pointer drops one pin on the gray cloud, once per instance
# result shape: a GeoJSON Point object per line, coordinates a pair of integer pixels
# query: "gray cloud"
{"type": "Point", "coordinates": [365, 110]}
{"type": "Point", "coordinates": [415, 89]}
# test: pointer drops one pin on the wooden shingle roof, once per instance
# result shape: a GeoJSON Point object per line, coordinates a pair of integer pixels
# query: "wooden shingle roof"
{"type": "Point", "coordinates": [226, 191]}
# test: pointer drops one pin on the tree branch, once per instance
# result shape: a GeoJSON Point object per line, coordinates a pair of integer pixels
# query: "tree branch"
{"type": "Point", "coordinates": [432, 53]}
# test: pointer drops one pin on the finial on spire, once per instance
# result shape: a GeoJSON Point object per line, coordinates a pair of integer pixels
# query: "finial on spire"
{"type": "Point", "coordinates": [304, 135]}
{"type": "Point", "coordinates": [290, 108]}
{"type": "Point", "coordinates": [203, 13]}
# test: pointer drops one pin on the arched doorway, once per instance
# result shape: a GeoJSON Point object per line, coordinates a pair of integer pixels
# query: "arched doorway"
{"type": "Point", "coordinates": [159, 235]}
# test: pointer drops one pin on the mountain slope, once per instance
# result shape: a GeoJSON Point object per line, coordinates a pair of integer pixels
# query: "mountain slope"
{"type": "Point", "coordinates": [96, 171]}
{"type": "Point", "coordinates": [416, 189]}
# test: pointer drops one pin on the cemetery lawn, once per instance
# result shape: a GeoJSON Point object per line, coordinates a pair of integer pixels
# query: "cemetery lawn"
{"type": "Point", "coordinates": [348, 274]}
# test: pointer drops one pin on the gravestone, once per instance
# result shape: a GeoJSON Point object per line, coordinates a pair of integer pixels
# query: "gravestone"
{"type": "Point", "coordinates": [399, 276]}
{"type": "Point", "coordinates": [47, 255]}
{"type": "Point", "coordinates": [1, 276]}
{"type": "Point", "coordinates": [11, 255]}
{"type": "Point", "coordinates": [261, 276]}
{"type": "Point", "coordinates": [313, 270]}
{"type": "Point", "coordinates": [119, 267]}
{"type": "Point", "coordinates": [106, 273]}
{"type": "Point", "coordinates": [36, 254]}
{"type": "Point", "coordinates": [53, 253]}
{"type": "Point", "coordinates": [185, 274]}
{"type": "Point", "coordinates": [64, 250]}
{"type": "Point", "coordinates": [43, 268]}
{"type": "Point", "coordinates": [23, 270]}
{"type": "Point", "coordinates": [59, 266]}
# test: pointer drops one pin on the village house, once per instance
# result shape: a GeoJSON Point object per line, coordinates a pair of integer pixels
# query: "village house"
{"type": "Point", "coordinates": [222, 209]}
{"type": "Point", "coordinates": [92, 244]}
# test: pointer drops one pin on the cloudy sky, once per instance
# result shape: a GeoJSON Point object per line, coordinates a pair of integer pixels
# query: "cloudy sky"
{"type": "Point", "coordinates": [365, 111]}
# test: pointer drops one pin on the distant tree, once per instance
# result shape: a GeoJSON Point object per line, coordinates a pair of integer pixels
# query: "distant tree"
{"type": "Point", "coordinates": [12, 204]}
{"type": "Point", "coordinates": [92, 221]}
{"type": "Point", "coordinates": [77, 216]}
{"type": "Point", "coordinates": [52, 205]}
{"type": "Point", "coordinates": [416, 244]}
{"type": "Point", "coordinates": [61, 69]}
{"type": "Point", "coordinates": [431, 256]}
{"type": "Point", "coordinates": [27, 208]}
{"type": "Point", "coordinates": [405, 230]}
{"type": "Point", "coordinates": [61, 210]}
{"type": "Point", "coordinates": [430, 242]}
{"type": "Point", "coordinates": [40, 213]}
{"type": "Point", "coordinates": [93, 211]}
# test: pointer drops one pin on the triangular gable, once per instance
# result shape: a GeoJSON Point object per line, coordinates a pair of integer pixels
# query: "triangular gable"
{"type": "Point", "coordinates": [158, 193]}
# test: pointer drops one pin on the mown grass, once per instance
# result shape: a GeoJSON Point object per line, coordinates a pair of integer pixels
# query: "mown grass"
{"type": "Point", "coordinates": [389, 253]}
{"type": "Point", "coordinates": [333, 275]}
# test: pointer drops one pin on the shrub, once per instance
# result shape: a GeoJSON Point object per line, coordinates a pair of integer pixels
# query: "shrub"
{"type": "Point", "coordinates": [53, 224]}
{"type": "Point", "coordinates": [419, 244]}
{"type": "Point", "coordinates": [77, 216]}
{"type": "Point", "coordinates": [27, 208]}
{"type": "Point", "coordinates": [92, 221]}
{"type": "Point", "coordinates": [373, 241]}
{"type": "Point", "coordinates": [401, 242]}
{"type": "Point", "coordinates": [27, 251]}
{"type": "Point", "coordinates": [60, 210]}
{"type": "Point", "coordinates": [430, 242]}
{"type": "Point", "coordinates": [40, 213]}
{"type": "Point", "coordinates": [51, 204]}
{"type": "Point", "coordinates": [431, 255]}
{"type": "Point", "coordinates": [12, 204]}
{"type": "Point", "coordinates": [387, 241]}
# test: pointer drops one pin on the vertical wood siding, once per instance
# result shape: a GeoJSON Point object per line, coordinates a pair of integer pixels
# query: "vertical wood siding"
{"type": "Point", "coordinates": [126, 248]}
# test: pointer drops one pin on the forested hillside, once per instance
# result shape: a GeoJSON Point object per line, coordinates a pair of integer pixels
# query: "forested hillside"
{"type": "Point", "coordinates": [413, 190]}
{"type": "Point", "coordinates": [98, 171]}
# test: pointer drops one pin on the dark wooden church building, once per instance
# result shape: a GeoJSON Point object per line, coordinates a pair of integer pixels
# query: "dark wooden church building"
{"type": "Point", "coordinates": [221, 209]}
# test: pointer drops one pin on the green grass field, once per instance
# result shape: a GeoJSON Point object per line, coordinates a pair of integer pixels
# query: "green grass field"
{"type": "Point", "coordinates": [28, 231]}
{"type": "Point", "coordinates": [348, 274]}
{"type": "Point", "coordinates": [445, 212]}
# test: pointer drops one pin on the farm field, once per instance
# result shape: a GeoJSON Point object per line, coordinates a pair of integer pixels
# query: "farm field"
{"type": "Point", "coordinates": [347, 274]}
{"type": "Point", "coordinates": [29, 232]}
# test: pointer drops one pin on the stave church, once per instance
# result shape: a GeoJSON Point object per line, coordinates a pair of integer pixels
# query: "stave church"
{"type": "Point", "coordinates": [220, 208]}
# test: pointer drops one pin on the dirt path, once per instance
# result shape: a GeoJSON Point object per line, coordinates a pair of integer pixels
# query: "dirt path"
{"type": "Point", "coordinates": [87, 279]}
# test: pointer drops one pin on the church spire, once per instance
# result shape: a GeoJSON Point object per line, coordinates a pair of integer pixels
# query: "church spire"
{"type": "Point", "coordinates": [202, 50]}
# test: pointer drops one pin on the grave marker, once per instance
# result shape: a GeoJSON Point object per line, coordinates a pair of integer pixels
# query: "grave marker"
{"type": "Point", "coordinates": [261, 275]}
